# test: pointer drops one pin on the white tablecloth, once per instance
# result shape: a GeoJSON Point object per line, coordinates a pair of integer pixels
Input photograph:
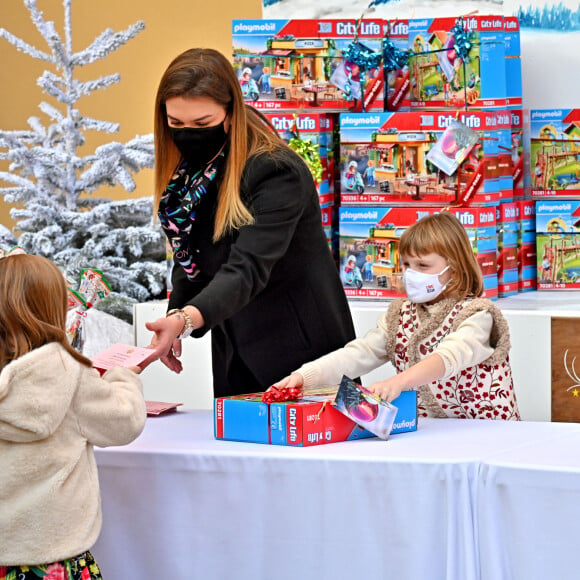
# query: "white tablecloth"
{"type": "Point", "coordinates": [178, 504]}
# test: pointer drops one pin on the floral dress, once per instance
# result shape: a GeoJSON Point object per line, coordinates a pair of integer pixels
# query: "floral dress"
{"type": "Point", "coordinates": [81, 567]}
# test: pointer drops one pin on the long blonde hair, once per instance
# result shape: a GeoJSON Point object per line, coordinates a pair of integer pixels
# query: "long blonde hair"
{"type": "Point", "coordinates": [443, 234]}
{"type": "Point", "coordinates": [204, 72]}
{"type": "Point", "coordinates": [33, 306]}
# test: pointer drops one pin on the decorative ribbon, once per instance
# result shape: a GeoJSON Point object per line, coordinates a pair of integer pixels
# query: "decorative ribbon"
{"type": "Point", "coordinates": [275, 395]}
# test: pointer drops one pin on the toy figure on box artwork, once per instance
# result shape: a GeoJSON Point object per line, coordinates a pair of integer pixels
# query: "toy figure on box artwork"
{"type": "Point", "coordinates": [353, 180]}
{"type": "Point", "coordinates": [54, 407]}
{"type": "Point", "coordinates": [351, 273]}
{"type": "Point", "coordinates": [249, 86]}
{"type": "Point", "coordinates": [444, 340]}
{"type": "Point", "coordinates": [240, 207]}
{"type": "Point", "coordinates": [369, 174]}
{"type": "Point", "coordinates": [265, 81]}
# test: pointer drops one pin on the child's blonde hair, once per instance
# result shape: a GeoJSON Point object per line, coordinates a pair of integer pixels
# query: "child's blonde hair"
{"type": "Point", "coordinates": [33, 307]}
{"type": "Point", "coordinates": [444, 235]}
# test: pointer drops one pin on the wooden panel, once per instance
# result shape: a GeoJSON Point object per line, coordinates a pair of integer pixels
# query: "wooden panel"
{"type": "Point", "coordinates": [566, 369]}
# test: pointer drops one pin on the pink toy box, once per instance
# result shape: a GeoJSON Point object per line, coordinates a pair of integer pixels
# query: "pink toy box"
{"type": "Point", "coordinates": [301, 65]}
{"type": "Point", "coordinates": [555, 153]}
{"type": "Point", "coordinates": [370, 264]}
{"type": "Point", "coordinates": [312, 420]}
{"type": "Point", "coordinates": [507, 248]}
{"type": "Point", "coordinates": [383, 159]}
{"type": "Point", "coordinates": [520, 148]}
{"type": "Point", "coordinates": [441, 78]}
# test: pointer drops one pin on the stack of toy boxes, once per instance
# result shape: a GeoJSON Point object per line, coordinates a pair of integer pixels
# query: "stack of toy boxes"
{"type": "Point", "coordinates": [312, 420]}
{"type": "Point", "coordinates": [383, 159]}
{"type": "Point", "coordinates": [555, 153]}
{"type": "Point", "coordinates": [291, 65]}
{"type": "Point", "coordinates": [369, 247]}
{"type": "Point", "coordinates": [398, 83]}
{"type": "Point", "coordinates": [558, 244]}
{"type": "Point", "coordinates": [507, 224]}
{"type": "Point", "coordinates": [527, 260]}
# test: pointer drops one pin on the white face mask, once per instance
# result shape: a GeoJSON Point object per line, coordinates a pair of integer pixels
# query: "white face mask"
{"type": "Point", "coordinates": [421, 287]}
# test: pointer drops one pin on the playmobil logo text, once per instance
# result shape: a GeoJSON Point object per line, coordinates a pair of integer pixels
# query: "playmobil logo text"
{"type": "Point", "coordinates": [356, 121]}
{"type": "Point", "coordinates": [367, 215]}
{"type": "Point", "coordinates": [301, 123]}
{"type": "Point", "coordinates": [366, 29]}
{"type": "Point", "coordinates": [257, 27]}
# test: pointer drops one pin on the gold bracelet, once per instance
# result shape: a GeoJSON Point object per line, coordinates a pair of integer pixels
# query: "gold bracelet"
{"type": "Point", "coordinates": [188, 327]}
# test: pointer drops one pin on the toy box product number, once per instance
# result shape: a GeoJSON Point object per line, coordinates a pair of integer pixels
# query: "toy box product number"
{"type": "Point", "coordinates": [312, 420]}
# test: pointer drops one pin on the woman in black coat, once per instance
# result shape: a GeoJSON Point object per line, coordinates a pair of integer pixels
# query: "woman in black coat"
{"type": "Point", "coordinates": [251, 261]}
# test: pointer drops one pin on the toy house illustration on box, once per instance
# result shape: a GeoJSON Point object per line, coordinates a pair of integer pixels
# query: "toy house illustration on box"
{"type": "Point", "coordinates": [301, 64]}
{"type": "Point", "coordinates": [370, 262]}
{"type": "Point", "coordinates": [555, 152]}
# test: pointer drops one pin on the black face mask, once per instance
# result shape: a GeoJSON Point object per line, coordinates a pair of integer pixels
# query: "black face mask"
{"type": "Point", "coordinates": [199, 145]}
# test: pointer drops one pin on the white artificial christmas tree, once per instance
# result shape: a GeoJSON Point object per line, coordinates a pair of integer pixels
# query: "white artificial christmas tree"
{"type": "Point", "coordinates": [49, 176]}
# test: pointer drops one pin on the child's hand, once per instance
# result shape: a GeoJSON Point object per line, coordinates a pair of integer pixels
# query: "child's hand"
{"type": "Point", "coordinates": [295, 380]}
{"type": "Point", "coordinates": [388, 390]}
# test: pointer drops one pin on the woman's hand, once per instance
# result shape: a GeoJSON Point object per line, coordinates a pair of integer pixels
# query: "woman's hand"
{"type": "Point", "coordinates": [165, 344]}
{"type": "Point", "coordinates": [295, 380]}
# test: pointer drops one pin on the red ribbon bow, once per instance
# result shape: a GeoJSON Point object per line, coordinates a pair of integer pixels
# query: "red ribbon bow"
{"type": "Point", "coordinates": [275, 395]}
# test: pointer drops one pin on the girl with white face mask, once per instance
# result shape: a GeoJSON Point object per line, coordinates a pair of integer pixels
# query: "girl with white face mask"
{"type": "Point", "coordinates": [444, 340]}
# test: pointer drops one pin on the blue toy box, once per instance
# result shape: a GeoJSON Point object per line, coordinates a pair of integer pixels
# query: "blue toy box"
{"type": "Point", "coordinates": [312, 420]}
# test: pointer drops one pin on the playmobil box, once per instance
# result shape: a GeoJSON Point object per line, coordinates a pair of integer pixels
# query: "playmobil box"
{"type": "Point", "coordinates": [507, 225]}
{"type": "Point", "coordinates": [558, 244]}
{"type": "Point", "coordinates": [310, 64]}
{"type": "Point", "coordinates": [370, 264]}
{"type": "Point", "coordinates": [312, 420]}
{"type": "Point", "coordinates": [442, 77]}
{"type": "Point", "coordinates": [520, 153]}
{"type": "Point", "coordinates": [385, 159]}
{"type": "Point", "coordinates": [397, 84]}
{"type": "Point", "coordinates": [555, 153]}
{"type": "Point", "coordinates": [513, 61]}
{"type": "Point", "coordinates": [311, 135]}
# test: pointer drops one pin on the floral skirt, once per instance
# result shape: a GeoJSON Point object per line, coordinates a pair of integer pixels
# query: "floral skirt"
{"type": "Point", "coordinates": [81, 567]}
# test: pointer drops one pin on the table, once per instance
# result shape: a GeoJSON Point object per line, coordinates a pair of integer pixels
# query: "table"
{"type": "Point", "coordinates": [528, 511]}
{"type": "Point", "coordinates": [179, 504]}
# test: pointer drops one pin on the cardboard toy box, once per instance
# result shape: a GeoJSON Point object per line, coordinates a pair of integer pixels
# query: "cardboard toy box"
{"type": "Point", "coordinates": [312, 420]}
{"type": "Point", "coordinates": [299, 64]}
{"type": "Point", "coordinates": [318, 129]}
{"type": "Point", "coordinates": [397, 83]}
{"type": "Point", "coordinates": [507, 249]}
{"type": "Point", "coordinates": [440, 78]}
{"type": "Point", "coordinates": [527, 257]}
{"type": "Point", "coordinates": [370, 264]}
{"type": "Point", "coordinates": [383, 159]}
{"type": "Point", "coordinates": [558, 244]}
{"type": "Point", "coordinates": [555, 153]}
{"type": "Point", "coordinates": [520, 150]}
{"type": "Point", "coordinates": [513, 61]}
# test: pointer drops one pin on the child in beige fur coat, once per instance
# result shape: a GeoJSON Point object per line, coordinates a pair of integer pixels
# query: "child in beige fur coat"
{"type": "Point", "coordinates": [444, 340]}
{"type": "Point", "coordinates": [53, 408]}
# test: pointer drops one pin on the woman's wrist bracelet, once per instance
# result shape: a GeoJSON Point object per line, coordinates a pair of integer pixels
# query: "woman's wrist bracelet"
{"type": "Point", "coordinates": [188, 326]}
